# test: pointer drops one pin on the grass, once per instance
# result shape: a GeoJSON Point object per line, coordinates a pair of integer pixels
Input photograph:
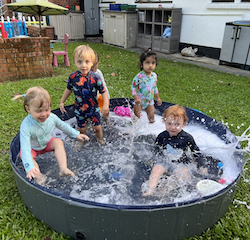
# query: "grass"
{"type": "Point", "coordinates": [222, 96]}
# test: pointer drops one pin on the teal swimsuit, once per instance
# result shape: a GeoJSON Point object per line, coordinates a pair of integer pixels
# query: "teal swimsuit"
{"type": "Point", "coordinates": [145, 88]}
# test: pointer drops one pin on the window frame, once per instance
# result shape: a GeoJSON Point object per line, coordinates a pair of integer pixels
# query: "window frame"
{"type": "Point", "coordinates": [230, 1]}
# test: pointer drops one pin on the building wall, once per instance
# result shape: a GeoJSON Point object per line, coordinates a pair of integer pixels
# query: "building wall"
{"type": "Point", "coordinates": [64, 3]}
{"type": "Point", "coordinates": [25, 58]}
{"type": "Point", "coordinates": [5, 9]}
{"type": "Point", "coordinates": [203, 22]}
{"type": "Point", "coordinates": [34, 31]}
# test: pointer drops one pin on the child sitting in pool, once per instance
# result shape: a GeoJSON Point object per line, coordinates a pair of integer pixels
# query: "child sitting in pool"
{"type": "Point", "coordinates": [174, 148]}
{"type": "Point", "coordinates": [85, 85]}
{"type": "Point", "coordinates": [35, 134]}
{"type": "Point", "coordinates": [144, 87]}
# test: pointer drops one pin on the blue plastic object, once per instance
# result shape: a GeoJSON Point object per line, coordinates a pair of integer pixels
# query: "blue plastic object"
{"type": "Point", "coordinates": [20, 27]}
{"type": "Point", "coordinates": [115, 7]}
{"type": "Point", "coordinates": [167, 32]}
{"type": "Point", "coordinates": [116, 176]}
{"type": "Point", "coordinates": [197, 110]}
{"type": "Point", "coordinates": [220, 167]}
{"type": "Point", "coordinates": [242, 23]}
{"type": "Point", "coordinates": [24, 28]}
{"type": "Point", "coordinates": [9, 29]}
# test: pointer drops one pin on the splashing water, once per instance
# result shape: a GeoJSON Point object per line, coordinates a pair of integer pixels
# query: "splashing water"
{"type": "Point", "coordinates": [117, 172]}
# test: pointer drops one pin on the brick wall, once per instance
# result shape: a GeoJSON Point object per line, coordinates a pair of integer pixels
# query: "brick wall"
{"type": "Point", "coordinates": [63, 3]}
{"type": "Point", "coordinates": [34, 31]}
{"type": "Point", "coordinates": [25, 58]}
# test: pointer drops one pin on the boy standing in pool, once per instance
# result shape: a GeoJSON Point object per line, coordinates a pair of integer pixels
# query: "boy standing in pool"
{"type": "Point", "coordinates": [174, 148]}
{"type": "Point", "coordinates": [85, 85]}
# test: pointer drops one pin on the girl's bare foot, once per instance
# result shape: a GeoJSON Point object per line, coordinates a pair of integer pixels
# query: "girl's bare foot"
{"type": "Point", "coordinates": [66, 172]}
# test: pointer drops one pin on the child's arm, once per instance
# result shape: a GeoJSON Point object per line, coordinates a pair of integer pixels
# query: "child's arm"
{"type": "Point", "coordinates": [65, 95]}
{"type": "Point", "coordinates": [82, 136]}
{"type": "Point", "coordinates": [137, 100]}
{"type": "Point", "coordinates": [105, 108]}
{"type": "Point", "coordinates": [158, 99]}
{"type": "Point", "coordinates": [28, 164]}
{"type": "Point", "coordinates": [65, 127]}
{"type": "Point", "coordinates": [157, 96]}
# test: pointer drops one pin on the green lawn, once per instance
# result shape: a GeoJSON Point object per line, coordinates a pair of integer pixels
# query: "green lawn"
{"type": "Point", "coordinates": [222, 96]}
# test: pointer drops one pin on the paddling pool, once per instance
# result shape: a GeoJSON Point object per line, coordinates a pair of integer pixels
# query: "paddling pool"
{"type": "Point", "coordinates": [80, 219]}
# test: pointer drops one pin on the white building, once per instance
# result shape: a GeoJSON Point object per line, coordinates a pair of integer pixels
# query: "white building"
{"type": "Point", "coordinates": [203, 21]}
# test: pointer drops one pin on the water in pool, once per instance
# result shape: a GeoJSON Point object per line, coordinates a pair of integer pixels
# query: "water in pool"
{"type": "Point", "coordinates": [118, 172]}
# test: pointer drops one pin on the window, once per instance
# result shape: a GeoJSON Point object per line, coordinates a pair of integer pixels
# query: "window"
{"type": "Point", "coordinates": [224, 1]}
{"type": "Point", "coordinates": [229, 4]}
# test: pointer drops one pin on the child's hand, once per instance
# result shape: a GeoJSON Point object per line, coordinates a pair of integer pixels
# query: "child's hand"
{"type": "Point", "coordinates": [137, 100]}
{"type": "Point", "coordinates": [105, 111]}
{"type": "Point", "coordinates": [62, 108]}
{"type": "Point", "coordinates": [159, 102]}
{"type": "Point", "coordinates": [33, 173]}
{"type": "Point", "coordinates": [81, 137]}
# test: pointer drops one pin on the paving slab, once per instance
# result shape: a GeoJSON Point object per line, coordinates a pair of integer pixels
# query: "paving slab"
{"type": "Point", "coordinates": [203, 62]}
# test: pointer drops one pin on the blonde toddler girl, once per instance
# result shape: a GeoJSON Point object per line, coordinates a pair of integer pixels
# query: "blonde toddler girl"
{"type": "Point", "coordinates": [36, 134]}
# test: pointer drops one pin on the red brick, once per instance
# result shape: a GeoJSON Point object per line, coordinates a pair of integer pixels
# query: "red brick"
{"type": "Point", "coordinates": [9, 74]}
{"type": "Point", "coordinates": [3, 60]}
{"type": "Point", "coordinates": [13, 69]}
{"type": "Point", "coordinates": [22, 58]}
{"type": "Point", "coordinates": [2, 70]}
{"type": "Point", "coordinates": [11, 60]}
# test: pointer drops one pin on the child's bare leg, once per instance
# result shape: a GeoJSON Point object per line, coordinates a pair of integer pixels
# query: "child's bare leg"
{"type": "Point", "coordinates": [203, 170]}
{"type": "Point", "coordinates": [60, 154]}
{"type": "Point", "coordinates": [37, 174]}
{"type": "Point", "coordinates": [137, 110]}
{"type": "Point", "coordinates": [183, 173]}
{"type": "Point", "coordinates": [83, 130]}
{"type": "Point", "coordinates": [40, 178]}
{"type": "Point", "coordinates": [150, 110]}
{"type": "Point", "coordinates": [79, 144]}
{"type": "Point", "coordinates": [99, 134]}
{"type": "Point", "coordinates": [154, 177]}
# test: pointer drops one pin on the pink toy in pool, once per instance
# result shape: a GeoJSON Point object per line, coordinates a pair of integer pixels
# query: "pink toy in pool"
{"type": "Point", "coordinates": [122, 111]}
